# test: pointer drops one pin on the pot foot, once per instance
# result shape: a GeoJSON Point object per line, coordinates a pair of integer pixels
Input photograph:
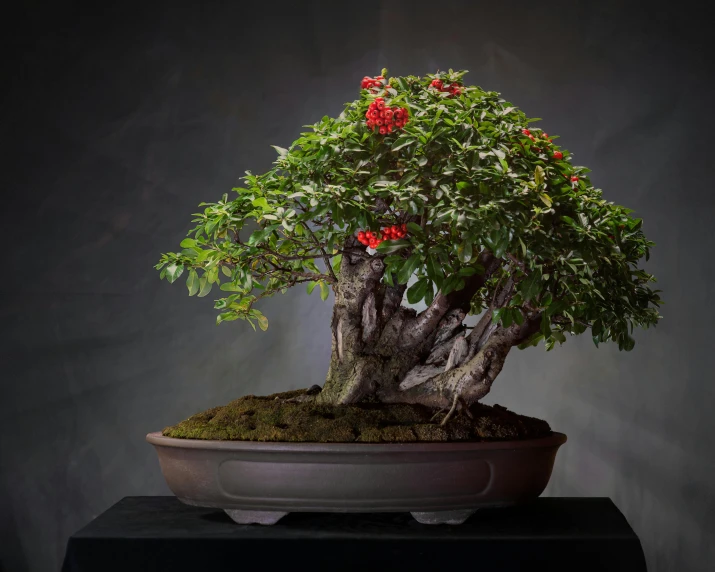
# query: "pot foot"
{"type": "Point", "coordinates": [266, 517]}
{"type": "Point", "coordinates": [443, 517]}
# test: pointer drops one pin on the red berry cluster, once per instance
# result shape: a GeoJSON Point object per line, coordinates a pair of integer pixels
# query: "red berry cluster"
{"type": "Point", "coordinates": [385, 117]}
{"type": "Point", "coordinates": [453, 88]}
{"type": "Point", "coordinates": [373, 239]}
{"type": "Point", "coordinates": [372, 83]}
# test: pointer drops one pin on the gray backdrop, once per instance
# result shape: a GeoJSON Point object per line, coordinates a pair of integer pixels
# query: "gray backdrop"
{"type": "Point", "coordinates": [117, 120]}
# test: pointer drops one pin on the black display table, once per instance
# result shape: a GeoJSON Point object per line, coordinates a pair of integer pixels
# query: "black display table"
{"type": "Point", "coordinates": [161, 533]}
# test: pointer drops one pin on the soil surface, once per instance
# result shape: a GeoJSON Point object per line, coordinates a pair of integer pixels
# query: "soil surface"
{"type": "Point", "coordinates": [272, 418]}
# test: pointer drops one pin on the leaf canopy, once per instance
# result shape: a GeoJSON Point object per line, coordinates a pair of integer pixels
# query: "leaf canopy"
{"type": "Point", "coordinates": [466, 173]}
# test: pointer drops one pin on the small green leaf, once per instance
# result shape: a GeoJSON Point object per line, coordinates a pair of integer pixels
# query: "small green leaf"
{"type": "Point", "coordinates": [281, 151]}
{"type": "Point", "coordinates": [187, 243]}
{"type": "Point", "coordinates": [628, 343]}
{"type": "Point", "coordinates": [546, 199]}
{"type": "Point", "coordinates": [539, 175]}
{"type": "Point", "coordinates": [173, 271]}
{"type": "Point", "coordinates": [464, 251]}
{"type": "Point", "coordinates": [261, 202]}
{"type": "Point", "coordinates": [324, 290]}
{"type": "Point", "coordinates": [226, 271]}
{"type": "Point", "coordinates": [408, 268]}
{"type": "Point", "coordinates": [311, 286]}
{"type": "Point", "coordinates": [408, 178]}
{"type": "Point", "coordinates": [226, 317]}
{"type": "Point", "coordinates": [558, 336]}
{"type": "Point", "coordinates": [403, 141]}
{"type": "Point", "coordinates": [530, 286]}
{"type": "Point", "coordinates": [192, 282]}
{"type": "Point", "coordinates": [415, 229]}
{"type": "Point", "coordinates": [390, 246]}
{"type": "Point", "coordinates": [417, 291]}
{"type": "Point", "coordinates": [204, 286]}
{"type": "Point", "coordinates": [507, 317]}
{"type": "Point", "coordinates": [262, 322]}
{"type": "Point", "coordinates": [434, 270]}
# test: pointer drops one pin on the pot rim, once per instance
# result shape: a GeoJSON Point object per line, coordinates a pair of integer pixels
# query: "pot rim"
{"type": "Point", "coordinates": [157, 439]}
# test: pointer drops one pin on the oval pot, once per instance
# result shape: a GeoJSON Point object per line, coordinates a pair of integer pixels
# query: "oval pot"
{"type": "Point", "coordinates": [259, 482]}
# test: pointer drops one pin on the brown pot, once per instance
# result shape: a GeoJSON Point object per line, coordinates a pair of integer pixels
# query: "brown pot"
{"type": "Point", "coordinates": [260, 482]}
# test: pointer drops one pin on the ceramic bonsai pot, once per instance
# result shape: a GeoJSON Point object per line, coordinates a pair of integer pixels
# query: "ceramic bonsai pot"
{"type": "Point", "coordinates": [260, 482]}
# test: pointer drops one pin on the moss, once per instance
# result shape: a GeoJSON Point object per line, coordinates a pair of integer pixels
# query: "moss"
{"type": "Point", "coordinates": [271, 418]}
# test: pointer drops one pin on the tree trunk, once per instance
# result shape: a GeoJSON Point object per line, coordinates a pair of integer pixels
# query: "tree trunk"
{"type": "Point", "coordinates": [384, 352]}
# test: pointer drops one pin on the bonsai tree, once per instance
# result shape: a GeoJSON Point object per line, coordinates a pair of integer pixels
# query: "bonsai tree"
{"type": "Point", "coordinates": [434, 191]}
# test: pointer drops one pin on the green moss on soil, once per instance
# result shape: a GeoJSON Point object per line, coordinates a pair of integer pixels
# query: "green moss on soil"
{"type": "Point", "coordinates": [270, 418]}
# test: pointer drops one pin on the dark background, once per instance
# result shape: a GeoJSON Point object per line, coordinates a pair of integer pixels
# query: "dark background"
{"type": "Point", "coordinates": [119, 118]}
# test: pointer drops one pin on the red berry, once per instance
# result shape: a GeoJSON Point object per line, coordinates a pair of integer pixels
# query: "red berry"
{"type": "Point", "coordinates": [526, 132]}
{"type": "Point", "coordinates": [361, 234]}
{"type": "Point", "coordinates": [531, 137]}
{"type": "Point", "coordinates": [380, 77]}
{"type": "Point", "coordinates": [381, 105]}
{"type": "Point", "coordinates": [379, 121]}
{"type": "Point", "coordinates": [574, 179]}
{"type": "Point", "coordinates": [403, 227]}
{"type": "Point", "coordinates": [457, 92]}
{"type": "Point", "coordinates": [369, 234]}
{"type": "Point", "coordinates": [389, 127]}
{"type": "Point", "coordinates": [545, 135]}
{"type": "Point", "coordinates": [437, 83]}
{"type": "Point", "coordinates": [401, 234]}
{"type": "Point", "coordinates": [558, 155]}
{"type": "Point", "coordinates": [383, 130]}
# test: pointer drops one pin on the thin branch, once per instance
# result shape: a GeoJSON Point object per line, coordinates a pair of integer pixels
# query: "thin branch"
{"type": "Point", "coordinates": [518, 262]}
{"type": "Point", "coordinates": [326, 258]}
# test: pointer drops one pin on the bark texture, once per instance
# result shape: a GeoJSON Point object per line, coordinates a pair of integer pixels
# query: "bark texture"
{"type": "Point", "coordinates": [382, 351]}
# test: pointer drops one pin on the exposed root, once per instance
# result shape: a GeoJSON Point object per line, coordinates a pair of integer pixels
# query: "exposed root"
{"type": "Point", "coordinates": [451, 410]}
{"type": "Point", "coordinates": [437, 414]}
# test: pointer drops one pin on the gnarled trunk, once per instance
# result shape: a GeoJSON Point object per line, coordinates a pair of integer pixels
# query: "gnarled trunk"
{"type": "Point", "coordinates": [384, 352]}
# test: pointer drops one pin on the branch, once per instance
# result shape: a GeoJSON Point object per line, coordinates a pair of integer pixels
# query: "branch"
{"type": "Point", "coordinates": [528, 328]}
{"type": "Point", "coordinates": [326, 258]}
{"type": "Point", "coordinates": [427, 320]}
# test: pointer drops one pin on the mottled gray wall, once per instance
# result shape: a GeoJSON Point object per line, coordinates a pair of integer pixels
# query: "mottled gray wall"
{"type": "Point", "coordinates": [118, 120]}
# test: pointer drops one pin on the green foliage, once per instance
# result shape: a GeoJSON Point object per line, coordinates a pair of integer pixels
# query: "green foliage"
{"type": "Point", "coordinates": [464, 177]}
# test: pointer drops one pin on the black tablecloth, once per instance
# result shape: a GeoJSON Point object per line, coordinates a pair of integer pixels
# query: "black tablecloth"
{"type": "Point", "coordinates": [161, 533]}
